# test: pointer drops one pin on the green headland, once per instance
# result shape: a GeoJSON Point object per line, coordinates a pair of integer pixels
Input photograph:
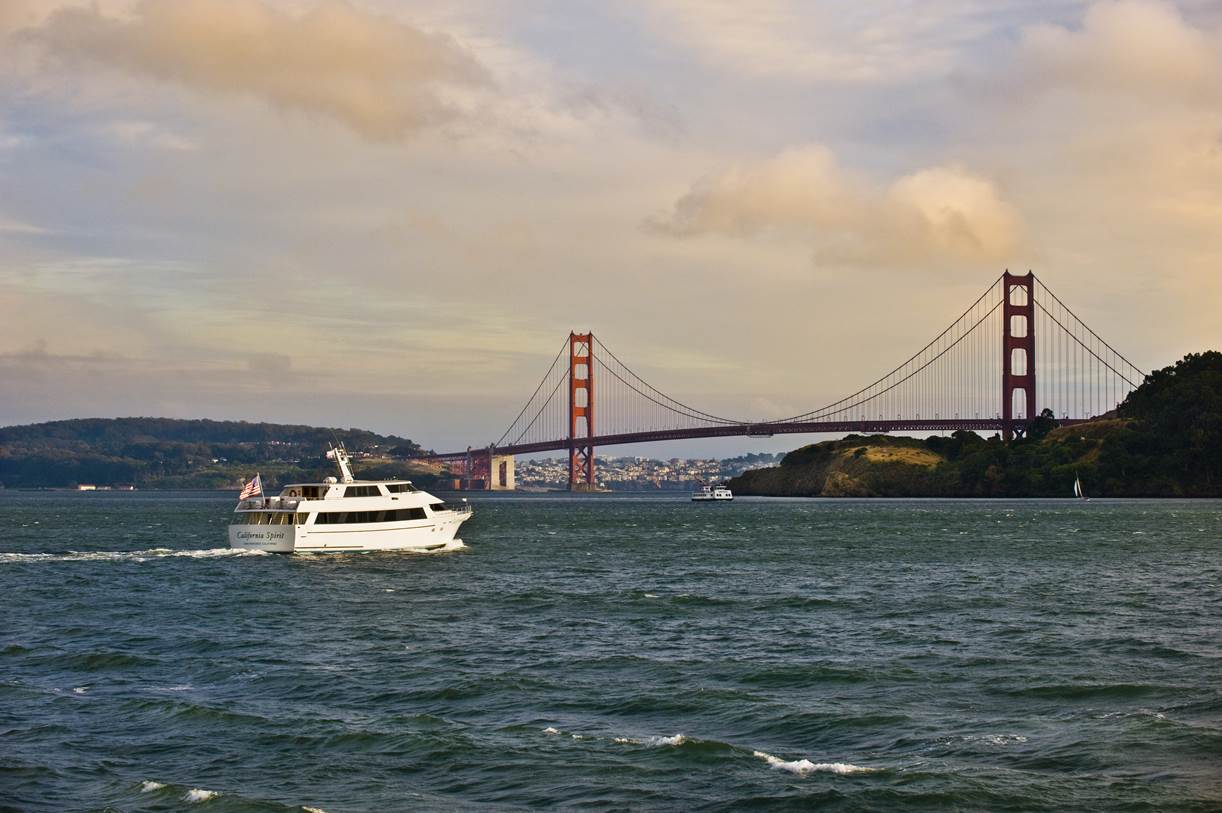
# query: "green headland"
{"type": "Point", "coordinates": [168, 453]}
{"type": "Point", "coordinates": [1164, 440]}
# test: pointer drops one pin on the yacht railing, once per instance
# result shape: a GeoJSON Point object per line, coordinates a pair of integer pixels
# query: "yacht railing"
{"type": "Point", "coordinates": [268, 504]}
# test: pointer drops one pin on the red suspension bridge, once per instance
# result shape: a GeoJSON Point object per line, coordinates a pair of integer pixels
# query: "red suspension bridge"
{"type": "Point", "coordinates": [979, 374]}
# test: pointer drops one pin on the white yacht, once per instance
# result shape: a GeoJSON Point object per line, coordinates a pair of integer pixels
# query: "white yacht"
{"type": "Point", "coordinates": [344, 515]}
{"type": "Point", "coordinates": [712, 494]}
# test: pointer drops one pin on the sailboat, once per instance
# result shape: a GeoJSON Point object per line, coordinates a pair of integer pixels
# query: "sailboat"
{"type": "Point", "coordinates": [1077, 489]}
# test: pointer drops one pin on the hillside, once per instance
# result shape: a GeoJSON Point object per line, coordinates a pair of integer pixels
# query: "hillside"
{"type": "Point", "coordinates": [1165, 440]}
{"type": "Point", "coordinates": [167, 453]}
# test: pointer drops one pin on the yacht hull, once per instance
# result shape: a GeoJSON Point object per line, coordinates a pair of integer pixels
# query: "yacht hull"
{"type": "Point", "coordinates": [439, 533]}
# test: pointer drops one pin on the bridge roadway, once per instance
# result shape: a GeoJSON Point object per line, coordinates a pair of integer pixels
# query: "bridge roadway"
{"type": "Point", "coordinates": [763, 430]}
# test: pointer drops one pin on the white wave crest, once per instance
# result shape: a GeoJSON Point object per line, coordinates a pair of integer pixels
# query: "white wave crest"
{"type": "Point", "coordinates": [81, 689]}
{"type": "Point", "coordinates": [677, 739]}
{"type": "Point", "coordinates": [308, 809]}
{"type": "Point", "coordinates": [550, 730]}
{"type": "Point", "coordinates": [804, 766]}
{"type": "Point", "coordinates": [148, 786]}
{"type": "Point", "coordinates": [127, 555]}
{"type": "Point", "coordinates": [198, 795]}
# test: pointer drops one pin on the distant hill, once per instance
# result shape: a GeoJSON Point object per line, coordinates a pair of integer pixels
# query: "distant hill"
{"type": "Point", "coordinates": [168, 453]}
{"type": "Point", "coordinates": [1165, 440]}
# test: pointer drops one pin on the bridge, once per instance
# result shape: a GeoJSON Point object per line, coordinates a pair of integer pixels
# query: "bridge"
{"type": "Point", "coordinates": [979, 374]}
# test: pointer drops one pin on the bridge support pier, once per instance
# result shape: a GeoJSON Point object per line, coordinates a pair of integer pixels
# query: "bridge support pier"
{"type": "Point", "coordinates": [1018, 351]}
{"type": "Point", "coordinates": [502, 473]}
{"type": "Point", "coordinates": [581, 412]}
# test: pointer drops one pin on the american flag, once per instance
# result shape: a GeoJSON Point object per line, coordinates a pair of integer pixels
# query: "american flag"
{"type": "Point", "coordinates": [252, 489]}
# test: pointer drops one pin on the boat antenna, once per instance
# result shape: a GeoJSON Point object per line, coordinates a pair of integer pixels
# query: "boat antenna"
{"type": "Point", "coordinates": [340, 455]}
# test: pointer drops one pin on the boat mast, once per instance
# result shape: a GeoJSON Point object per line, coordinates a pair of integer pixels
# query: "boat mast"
{"type": "Point", "coordinates": [340, 455]}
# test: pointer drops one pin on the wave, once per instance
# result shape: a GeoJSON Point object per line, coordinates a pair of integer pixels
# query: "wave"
{"type": "Point", "coordinates": [196, 795]}
{"type": "Point", "coordinates": [802, 767]}
{"type": "Point", "coordinates": [126, 555]}
{"type": "Point", "coordinates": [803, 602]}
{"type": "Point", "coordinates": [677, 739]}
{"type": "Point", "coordinates": [94, 661]}
{"type": "Point", "coordinates": [995, 739]}
{"type": "Point", "coordinates": [802, 675]}
{"type": "Point", "coordinates": [1079, 691]}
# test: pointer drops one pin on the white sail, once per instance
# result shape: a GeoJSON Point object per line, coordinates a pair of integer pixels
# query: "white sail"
{"type": "Point", "coordinates": [1077, 488]}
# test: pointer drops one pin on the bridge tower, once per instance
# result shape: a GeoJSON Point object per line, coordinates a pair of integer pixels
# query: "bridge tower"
{"type": "Point", "coordinates": [1018, 351]}
{"type": "Point", "coordinates": [581, 412]}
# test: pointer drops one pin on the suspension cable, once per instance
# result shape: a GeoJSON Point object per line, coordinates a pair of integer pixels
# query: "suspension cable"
{"type": "Point", "coordinates": [532, 397]}
{"type": "Point", "coordinates": [690, 413]}
{"type": "Point", "coordinates": [948, 348]}
{"type": "Point", "coordinates": [796, 418]}
{"type": "Point", "coordinates": [1085, 347]}
{"type": "Point", "coordinates": [696, 412]}
{"type": "Point", "coordinates": [530, 425]}
{"type": "Point", "coordinates": [1068, 310]}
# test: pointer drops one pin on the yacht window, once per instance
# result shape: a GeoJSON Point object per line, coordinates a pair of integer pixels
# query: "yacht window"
{"type": "Point", "coordinates": [362, 491]}
{"type": "Point", "coordinates": [301, 518]}
{"type": "Point", "coordinates": [310, 493]}
{"type": "Point", "coordinates": [355, 517]}
{"type": "Point", "coordinates": [439, 506]}
{"type": "Point", "coordinates": [399, 488]}
{"type": "Point", "coordinates": [404, 514]}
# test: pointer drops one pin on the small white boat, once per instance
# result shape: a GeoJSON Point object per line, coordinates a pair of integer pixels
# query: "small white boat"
{"type": "Point", "coordinates": [1077, 489]}
{"type": "Point", "coordinates": [345, 515]}
{"type": "Point", "coordinates": [712, 494]}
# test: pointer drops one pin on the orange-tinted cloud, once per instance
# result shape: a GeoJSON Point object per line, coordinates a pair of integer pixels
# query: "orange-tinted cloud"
{"type": "Point", "coordinates": [1133, 47]}
{"type": "Point", "coordinates": [941, 214]}
{"type": "Point", "coordinates": [382, 78]}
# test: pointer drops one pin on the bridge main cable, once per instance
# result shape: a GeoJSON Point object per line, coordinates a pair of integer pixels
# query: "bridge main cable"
{"type": "Point", "coordinates": [832, 406]}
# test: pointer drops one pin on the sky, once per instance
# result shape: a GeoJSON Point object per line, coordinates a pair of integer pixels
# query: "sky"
{"type": "Point", "coordinates": [389, 215]}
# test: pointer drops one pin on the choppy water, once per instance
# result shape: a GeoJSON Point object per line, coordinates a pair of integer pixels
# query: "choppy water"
{"type": "Point", "coordinates": [617, 653]}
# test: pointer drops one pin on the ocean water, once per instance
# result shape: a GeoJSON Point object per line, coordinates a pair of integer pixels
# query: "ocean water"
{"type": "Point", "coordinates": [617, 653]}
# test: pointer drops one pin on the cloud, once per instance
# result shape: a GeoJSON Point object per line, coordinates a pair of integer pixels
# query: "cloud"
{"type": "Point", "coordinates": [139, 133]}
{"type": "Point", "coordinates": [1132, 46]}
{"type": "Point", "coordinates": [1108, 130]}
{"type": "Point", "coordinates": [839, 43]}
{"type": "Point", "coordinates": [10, 226]}
{"type": "Point", "coordinates": [940, 214]}
{"type": "Point", "coordinates": [17, 14]}
{"type": "Point", "coordinates": [1121, 117]}
{"type": "Point", "coordinates": [380, 77]}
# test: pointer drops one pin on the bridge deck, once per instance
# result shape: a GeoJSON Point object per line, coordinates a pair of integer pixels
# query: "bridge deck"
{"type": "Point", "coordinates": [758, 430]}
